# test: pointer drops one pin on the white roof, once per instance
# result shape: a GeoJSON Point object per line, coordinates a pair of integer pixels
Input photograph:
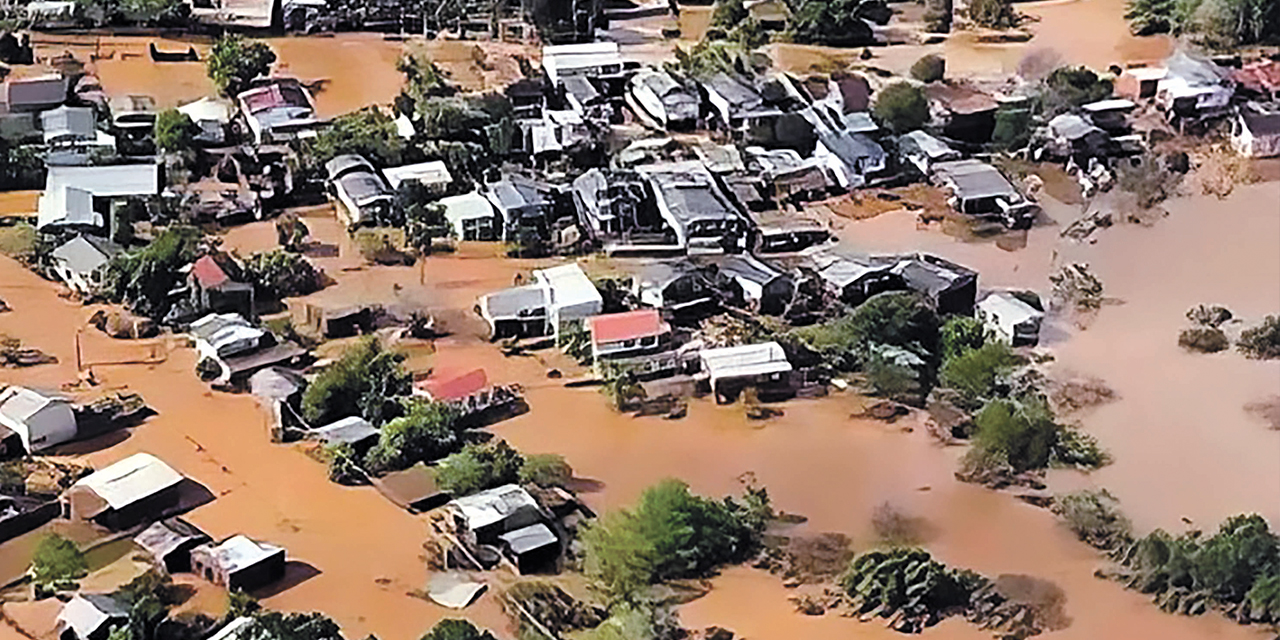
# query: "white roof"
{"type": "Point", "coordinates": [18, 405]}
{"type": "Point", "coordinates": [85, 614]}
{"type": "Point", "coordinates": [569, 286]}
{"type": "Point", "coordinates": [241, 552]}
{"type": "Point", "coordinates": [1108, 105]}
{"type": "Point", "coordinates": [66, 205]}
{"type": "Point", "coordinates": [569, 57]}
{"type": "Point", "coordinates": [1143, 74]}
{"type": "Point", "coordinates": [212, 109]}
{"type": "Point", "coordinates": [467, 206]}
{"type": "Point", "coordinates": [139, 476]}
{"type": "Point", "coordinates": [233, 629]}
{"type": "Point", "coordinates": [1008, 310]}
{"type": "Point", "coordinates": [428, 173]}
{"type": "Point", "coordinates": [107, 180]}
{"type": "Point", "coordinates": [492, 506]}
{"type": "Point", "coordinates": [745, 360]}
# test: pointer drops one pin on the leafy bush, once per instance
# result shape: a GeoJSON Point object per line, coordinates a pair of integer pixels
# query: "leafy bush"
{"type": "Point", "coordinates": [960, 334]}
{"type": "Point", "coordinates": [670, 534]}
{"type": "Point", "coordinates": [343, 468]}
{"type": "Point", "coordinates": [894, 319]}
{"type": "Point", "coordinates": [938, 18]}
{"type": "Point", "coordinates": [1263, 341]}
{"type": "Point", "coordinates": [1094, 516]}
{"type": "Point", "coordinates": [456, 629]}
{"type": "Point", "coordinates": [977, 373]}
{"type": "Point", "coordinates": [930, 68]}
{"type": "Point", "coordinates": [1209, 315]}
{"type": "Point", "coordinates": [368, 132]}
{"type": "Point", "coordinates": [143, 279]}
{"type": "Point", "coordinates": [836, 23]}
{"type": "Point", "coordinates": [994, 14]}
{"type": "Point", "coordinates": [278, 274]}
{"type": "Point", "coordinates": [910, 580]}
{"type": "Point", "coordinates": [1068, 87]}
{"type": "Point", "coordinates": [545, 469]}
{"type": "Point", "coordinates": [1012, 128]}
{"type": "Point", "coordinates": [1022, 436]}
{"type": "Point", "coordinates": [57, 560]}
{"type": "Point", "coordinates": [901, 107]}
{"type": "Point", "coordinates": [728, 13]}
{"type": "Point", "coordinates": [273, 625]}
{"type": "Point", "coordinates": [426, 432]}
{"type": "Point", "coordinates": [478, 467]}
{"type": "Point", "coordinates": [894, 378]}
{"type": "Point", "coordinates": [623, 390]}
{"type": "Point", "coordinates": [1203, 340]}
{"type": "Point", "coordinates": [234, 62]}
{"type": "Point", "coordinates": [174, 131]}
{"type": "Point", "coordinates": [362, 382]}
{"type": "Point", "coordinates": [1221, 23]}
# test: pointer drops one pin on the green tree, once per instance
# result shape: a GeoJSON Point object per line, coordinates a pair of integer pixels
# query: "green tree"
{"type": "Point", "coordinates": [896, 319]}
{"type": "Point", "coordinates": [273, 625]}
{"type": "Point", "coordinates": [456, 629]}
{"type": "Point", "coordinates": [1013, 128]}
{"type": "Point", "coordinates": [978, 373]}
{"type": "Point", "coordinates": [423, 217]}
{"type": "Point", "coordinates": [1021, 433]}
{"type": "Point", "coordinates": [143, 279]}
{"type": "Point", "coordinates": [994, 14]}
{"type": "Point", "coordinates": [174, 131]}
{"type": "Point", "coordinates": [1263, 341]}
{"type": "Point", "coordinates": [901, 107]}
{"type": "Point", "coordinates": [478, 467]}
{"type": "Point", "coordinates": [1068, 87]}
{"type": "Point", "coordinates": [670, 534]}
{"type": "Point", "coordinates": [57, 560]}
{"type": "Point", "coordinates": [166, 13]}
{"type": "Point", "coordinates": [728, 14]}
{"type": "Point", "coordinates": [362, 382]}
{"type": "Point", "coordinates": [836, 23]}
{"type": "Point", "coordinates": [234, 62]}
{"type": "Point", "coordinates": [368, 132]}
{"type": "Point", "coordinates": [929, 68]}
{"type": "Point", "coordinates": [278, 274]}
{"type": "Point", "coordinates": [1095, 517]}
{"type": "Point", "coordinates": [546, 469]}
{"type": "Point", "coordinates": [960, 334]}
{"type": "Point", "coordinates": [427, 431]}
{"type": "Point", "coordinates": [291, 231]}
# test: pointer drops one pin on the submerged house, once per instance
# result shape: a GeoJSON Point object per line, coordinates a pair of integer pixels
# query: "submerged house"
{"type": "Point", "coordinates": [761, 287]}
{"type": "Point", "coordinates": [600, 63]}
{"type": "Point", "coordinates": [90, 616]}
{"type": "Point", "coordinates": [1011, 318]}
{"type": "Point", "coordinates": [923, 151]}
{"type": "Point", "coordinates": [1256, 135]}
{"type": "Point", "coordinates": [677, 287]}
{"type": "Point", "coordinates": [978, 188]}
{"type": "Point", "coordinates": [617, 208]}
{"type": "Point", "coordinates": [665, 99]}
{"type": "Point", "coordinates": [433, 175]}
{"type": "Point", "coordinates": [854, 279]}
{"type": "Point", "coordinates": [36, 420]}
{"type": "Point", "coordinates": [730, 369]}
{"type": "Point", "coordinates": [169, 543]}
{"type": "Point", "coordinates": [703, 216]}
{"type": "Point", "coordinates": [471, 217]}
{"type": "Point", "coordinates": [852, 158]}
{"type": "Point", "coordinates": [239, 563]}
{"type": "Point", "coordinates": [278, 110]}
{"type": "Point", "coordinates": [523, 206]}
{"type": "Point", "coordinates": [510, 519]}
{"type": "Point", "coordinates": [949, 287]}
{"type": "Point", "coordinates": [359, 194]}
{"type": "Point", "coordinates": [80, 197]}
{"type": "Point", "coordinates": [78, 262]}
{"type": "Point", "coordinates": [967, 114]}
{"type": "Point", "coordinates": [1193, 88]}
{"type": "Point", "coordinates": [33, 94]}
{"type": "Point", "coordinates": [636, 341]}
{"type": "Point", "coordinates": [236, 348]}
{"type": "Point", "coordinates": [354, 431]}
{"type": "Point", "coordinates": [559, 296]}
{"type": "Point", "coordinates": [138, 489]}
{"type": "Point", "coordinates": [213, 289]}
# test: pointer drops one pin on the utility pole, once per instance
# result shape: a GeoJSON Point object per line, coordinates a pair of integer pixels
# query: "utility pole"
{"type": "Point", "coordinates": [79, 360]}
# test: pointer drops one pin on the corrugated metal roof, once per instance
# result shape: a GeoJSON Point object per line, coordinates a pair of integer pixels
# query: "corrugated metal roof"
{"type": "Point", "coordinates": [241, 552]}
{"type": "Point", "coordinates": [85, 254]}
{"type": "Point", "coordinates": [87, 613]}
{"type": "Point", "coordinates": [530, 538]}
{"type": "Point", "coordinates": [494, 505]}
{"type": "Point", "coordinates": [569, 285]}
{"type": "Point", "coordinates": [347, 430]}
{"type": "Point", "coordinates": [77, 122]}
{"type": "Point", "coordinates": [745, 360]}
{"type": "Point", "coordinates": [427, 173]}
{"type": "Point", "coordinates": [135, 478]}
{"type": "Point", "coordinates": [107, 181]}
{"type": "Point", "coordinates": [615, 327]}
{"type": "Point", "coordinates": [456, 387]}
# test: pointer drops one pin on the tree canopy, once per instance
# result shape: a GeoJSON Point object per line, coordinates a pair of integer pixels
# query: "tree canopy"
{"type": "Point", "coordinates": [426, 432]}
{"type": "Point", "coordinates": [144, 278]}
{"type": "Point", "coordinates": [670, 534]}
{"type": "Point", "coordinates": [56, 560]}
{"type": "Point", "coordinates": [234, 62]}
{"type": "Point", "coordinates": [278, 274]}
{"type": "Point", "coordinates": [901, 107]}
{"type": "Point", "coordinates": [363, 382]}
{"type": "Point", "coordinates": [174, 131]}
{"type": "Point", "coordinates": [1222, 23]}
{"type": "Point", "coordinates": [977, 373]}
{"type": "Point", "coordinates": [836, 23]}
{"type": "Point", "coordinates": [368, 132]}
{"type": "Point", "coordinates": [478, 467]}
{"type": "Point", "coordinates": [456, 629]}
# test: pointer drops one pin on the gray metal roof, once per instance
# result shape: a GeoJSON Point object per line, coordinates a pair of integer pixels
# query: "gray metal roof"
{"type": "Point", "coordinates": [973, 179]}
{"type": "Point", "coordinates": [931, 274]}
{"type": "Point", "coordinates": [509, 303]}
{"type": "Point", "coordinates": [739, 93]}
{"type": "Point", "coordinates": [347, 431]}
{"type": "Point", "coordinates": [851, 147]}
{"type": "Point", "coordinates": [164, 537]}
{"type": "Point", "coordinates": [344, 163]}
{"type": "Point", "coordinates": [689, 191]}
{"type": "Point", "coordinates": [64, 121]}
{"type": "Point", "coordinates": [530, 538]}
{"type": "Point", "coordinates": [85, 254]}
{"type": "Point", "coordinates": [26, 93]}
{"type": "Point", "coordinates": [363, 186]}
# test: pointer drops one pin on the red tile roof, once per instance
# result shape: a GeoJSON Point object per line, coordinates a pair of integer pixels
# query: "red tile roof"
{"type": "Point", "coordinates": [1263, 77]}
{"type": "Point", "coordinates": [627, 326]}
{"type": "Point", "coordinates": [456, 387]}
{"type": "Point", "coordinates": [209, 273]}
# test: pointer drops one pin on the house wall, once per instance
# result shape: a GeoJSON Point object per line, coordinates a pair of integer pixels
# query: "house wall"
{"type": "Point", "coordinates": [52, 425]}
{"type": "Point", "coordinates": [258, 575]}
{"type": "Point", "coordinates": [148, 509]}
{"type": "Point", "coordinates": [958, 299]}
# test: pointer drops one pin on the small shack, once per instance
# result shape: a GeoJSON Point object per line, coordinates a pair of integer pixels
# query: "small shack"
{"type": "Point", "coordinates": [730, 369]}
{"type": "Point", "coordinates": [169, 543]}
{"type": "Point", "coordinates": [489, 514]}
{"type": "Point", "coordinates": [531, 549]}
{"type": "Point", "coordinates": [39, 420]}
{"type": "Point", "coordinates": [354, 431]}
{"type": "Point", "coordinates": [239, 563]}
{"type": "Point", "coordinates": [1011, 318]}
{"type": "Point", "coordinates": [471, 217]}
{"type": "Point", "coordinates": [949, 287]}
{"type": "Point", "coordinates": [77, 262]}
{"type": "Point", "coordinates": [134, 490]}
{"type": "Point", "coordinates": [1256, 135]}
{"type": "Point", "coordinates": [90, 616]}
